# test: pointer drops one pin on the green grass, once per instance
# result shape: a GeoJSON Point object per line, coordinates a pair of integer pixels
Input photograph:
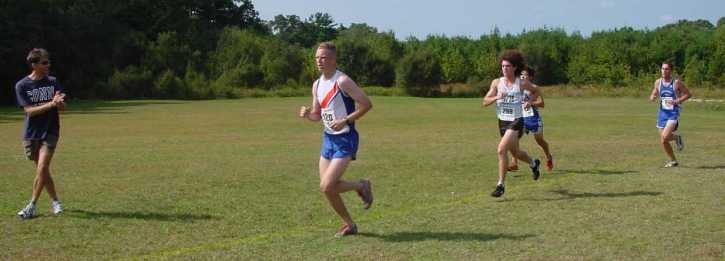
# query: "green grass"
{"type": "Point", "coordinates": [237, 179]}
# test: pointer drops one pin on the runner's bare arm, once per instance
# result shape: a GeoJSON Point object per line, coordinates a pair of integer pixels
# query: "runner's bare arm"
{"type": "Point", "coordinates": [35, 110]}
{"type": "Point", "coordinates": [535, 93]}
{"type": "Point", "coordinates": [61, 104]}
{"type": "Point", "coordinates": [356, 93]}
{"type": "Point", "coordinates": [312, 113]}
{"type": "Point", "coordinates": [682, 92]}
{"type": "Point", "coordinates": [492, 95]}
{"type": "Point", "coordinates": [654, 91]}
{"type": "Point", "coordinates": [539, 102]}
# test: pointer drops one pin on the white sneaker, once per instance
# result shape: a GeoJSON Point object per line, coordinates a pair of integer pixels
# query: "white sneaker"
{"type": "Point", "coordinates": [679, 143]}
{"type": "Point", "coordinates": [28, 212]}
{"type": "Point", "coordinates": [671, 164]}
{"type": "Point", "coordinates": [57, 208]}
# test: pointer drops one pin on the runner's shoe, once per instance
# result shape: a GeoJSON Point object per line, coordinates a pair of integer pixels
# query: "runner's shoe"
{"type": "Point", "coordinates": [535, 169]}
{"type": "Point", "coordinates": [550, 164]}
{"type": "Point", "coordinates": [366, 193]}
{"type": "Point", "coordinates": [671, 164]}
{"type": "Point", "coordinates": [498, 191]}
{"type": "Point", "coordinates": [346, 230]}
{"type": "Point", "coordinates": [57, 208]}
{"type": "Point", "coordinates": [28, 212]}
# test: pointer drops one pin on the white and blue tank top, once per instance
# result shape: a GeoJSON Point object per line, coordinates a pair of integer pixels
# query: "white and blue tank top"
{"type": "Point", "coordinates": [335, 104]}
{"type": "Point", "coordinates": [667, 96]}
{"type": "Point", "coordinates": [530, 113]}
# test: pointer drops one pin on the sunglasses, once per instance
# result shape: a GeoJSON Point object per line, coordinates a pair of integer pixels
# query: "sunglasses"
{"type": "Point", "coordinates": [44, 62]}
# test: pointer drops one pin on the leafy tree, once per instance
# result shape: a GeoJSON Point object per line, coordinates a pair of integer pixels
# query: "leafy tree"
{"type": "Point", "coordinates": [419, 73]}
{"type": "Point", "coordinates": [319, 27]}
{"type": "Point", "coordinates": [695, 72]}
{"type": "Point", "coordinates": [716, 73]}
{"type": "Point", "coordinates": [235, 62]}
{"type": "Point", "coordinates": [280, 63]}
{"type": "Point", "coordinates": [367, 55]}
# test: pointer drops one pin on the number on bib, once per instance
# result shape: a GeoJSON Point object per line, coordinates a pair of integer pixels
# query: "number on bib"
{"type": "Point", "coordinates": [507, 111]}
{"type": "Point", "coordinates": [328, 116]}
{"type": "Point", "coordinates": [667, 103]}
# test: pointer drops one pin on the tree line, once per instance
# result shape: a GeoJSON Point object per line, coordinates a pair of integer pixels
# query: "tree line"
{"type": "Point", "coordinates": [186, 49]}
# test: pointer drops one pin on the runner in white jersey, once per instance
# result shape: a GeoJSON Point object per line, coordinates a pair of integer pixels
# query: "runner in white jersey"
{"type": "Point", "coordinates": [671, 93]}
{"type": "Point", "coordinates": [333, 101]}
{"type": "Point", "coordinates": [507, 92]}
{"type": "Point", "coordinates": [533, 123]}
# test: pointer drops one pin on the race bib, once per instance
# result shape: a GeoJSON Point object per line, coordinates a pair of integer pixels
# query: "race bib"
{"type": "Point", "coordinates": [328, 118]}
{"type": "Point", "coordinates": [506, 113]}
{"type": "Point", "coordinates": [667, 103]}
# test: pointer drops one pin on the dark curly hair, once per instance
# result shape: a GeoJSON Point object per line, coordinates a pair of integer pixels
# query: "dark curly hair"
{"type": "Point", "coordinates": [515, 57]}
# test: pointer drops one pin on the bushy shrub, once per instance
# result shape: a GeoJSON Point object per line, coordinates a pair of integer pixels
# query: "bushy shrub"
{"type": "Point", "coordinates": [281, 63]}
{"type": "Point", "coordinates": [419, 73]}
{"type": "Point", "coordinates": [197, 86]}
{"type": "Point", "coordinates": [131, 82]}
{"type": "Point", "coordinates": [235, 63]}
{"type": "Point", "coordinates": [168, 85]}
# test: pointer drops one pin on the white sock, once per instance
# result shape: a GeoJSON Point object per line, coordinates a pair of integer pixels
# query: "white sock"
{"type": "Point", "coordinates": [500, 183]}
{"type": "Point", "coordinates": [532, 163]}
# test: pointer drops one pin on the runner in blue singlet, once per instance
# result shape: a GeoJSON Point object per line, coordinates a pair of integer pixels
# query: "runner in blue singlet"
{"type": "Point", "coordinates": [670, 93]}
{"type": "Point", "coordinates": [533, 123]}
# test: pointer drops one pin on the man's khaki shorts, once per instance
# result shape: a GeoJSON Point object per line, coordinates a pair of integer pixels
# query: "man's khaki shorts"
{"type": "Point", "coordinates": [32, 147]}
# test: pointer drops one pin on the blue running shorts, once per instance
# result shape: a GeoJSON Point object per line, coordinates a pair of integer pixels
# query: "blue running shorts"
{"type": "Point", "coordinates": [340, 145]}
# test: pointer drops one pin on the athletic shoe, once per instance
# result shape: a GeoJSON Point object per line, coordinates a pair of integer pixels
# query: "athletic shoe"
{"type": "Point", "coordinates": [498, 191]}
{"type": "Point", "coordinates": [57, 208]}
{"type": "Point", "coordinates": [513, 168]}
{"type": "Point", "coordinates": [671, 164]}
{"type": "Point", "coordinates": [28, 212]}
{"type": "Point", "coordinates": [366, 193]}
{"type": "Point", "coordinates": [549, 164]}
{"type": "Point", "coordinates": [679, 143]}
{"type": "Point", "coordinates": [346, 230]}
{"type": "Point", "coordinates": [535, 169]}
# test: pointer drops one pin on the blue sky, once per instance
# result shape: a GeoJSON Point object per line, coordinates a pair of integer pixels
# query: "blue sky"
{"type": "Point", "coordinates": [474, 18]}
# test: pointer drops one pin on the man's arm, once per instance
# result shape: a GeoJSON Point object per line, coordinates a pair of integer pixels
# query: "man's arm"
{"type": "Point", "coordinates": [655, 91]}
{"type": "Point", "coordinates": [356, 93]}
{"type": "Point", "coordinates": [492, 95]}
{"type": "Point", "coordinates": [56, 102]}
{"type": "Point", "coordinates": [60, 105]}
{"type": "Point", "coordinates": [312, 113]}
{"type": "Point", "coordinates": [535, 93]}
{"type": "Point", "coordinates": [682, 92]}
{"type": "Point", "coordinates": [539, 102]}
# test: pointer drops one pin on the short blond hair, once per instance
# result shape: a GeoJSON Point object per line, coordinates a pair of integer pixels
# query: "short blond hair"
{"type": "Point", "coordinates": [329, 46]}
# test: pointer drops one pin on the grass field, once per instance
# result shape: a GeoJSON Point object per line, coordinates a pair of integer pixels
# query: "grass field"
{"type": "Point", "coordinates": [237, 179]}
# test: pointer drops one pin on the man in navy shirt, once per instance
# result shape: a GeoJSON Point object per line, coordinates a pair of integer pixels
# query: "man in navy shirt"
{"type": "Point", "coordinates": [41, 97]}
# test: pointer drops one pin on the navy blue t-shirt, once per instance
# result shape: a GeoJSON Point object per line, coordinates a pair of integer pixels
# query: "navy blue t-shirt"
{"type": "Point", "coordinates": [29, 92]}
